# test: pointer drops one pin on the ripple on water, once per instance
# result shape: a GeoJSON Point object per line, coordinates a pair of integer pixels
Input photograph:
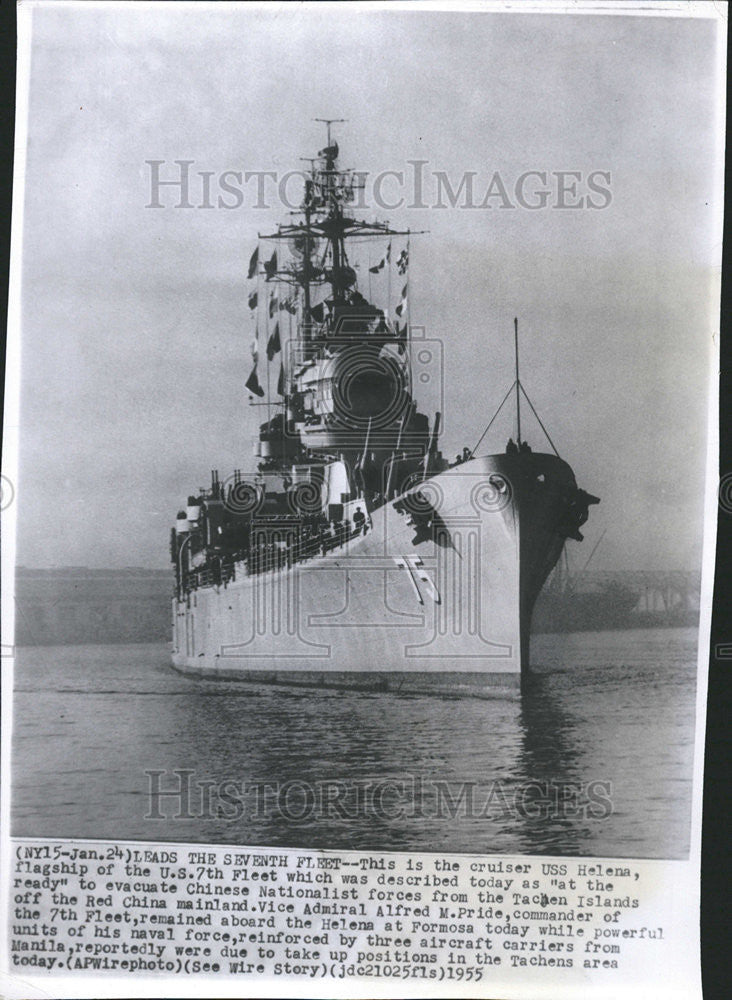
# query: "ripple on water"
{"type": "Point", "coordinates": [614, 707]}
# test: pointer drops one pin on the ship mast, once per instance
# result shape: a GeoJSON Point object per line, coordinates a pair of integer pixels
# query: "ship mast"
{"type": "Point", "coordinates": [328, 123]}
{"type": "Point", "coordinates": [334, 208]}
{"type": "Point", "coordinates": [326, 188]}
{"type": "Point", "coordinates": [307, 208]}
{"type": "Point", "coordinates": [307, 317]}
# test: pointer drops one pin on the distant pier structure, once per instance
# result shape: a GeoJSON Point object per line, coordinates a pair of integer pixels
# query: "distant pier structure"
{"type": "Point", "coordinates": [76, 605]}
{"type": "Point", "coordinates": [659, 591]}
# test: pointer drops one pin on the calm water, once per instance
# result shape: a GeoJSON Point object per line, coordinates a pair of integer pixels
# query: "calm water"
{"type": "Point", "coordinates": [615, 707]}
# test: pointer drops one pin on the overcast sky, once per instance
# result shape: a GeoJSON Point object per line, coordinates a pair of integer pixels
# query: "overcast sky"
{"type": "Point", "coordinates": [135, 326]}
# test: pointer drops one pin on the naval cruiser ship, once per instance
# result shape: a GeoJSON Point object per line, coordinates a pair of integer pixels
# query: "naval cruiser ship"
{"type": "Point", "coordinates": [348, 552]}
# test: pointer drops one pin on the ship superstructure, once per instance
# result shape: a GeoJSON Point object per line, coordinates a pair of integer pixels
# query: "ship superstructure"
{"type": "Point", "coordinates": [349, 552]}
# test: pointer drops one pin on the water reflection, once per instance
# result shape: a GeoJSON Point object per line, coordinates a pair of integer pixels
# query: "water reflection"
{"type": "Point", "coordinates": [551, 758]}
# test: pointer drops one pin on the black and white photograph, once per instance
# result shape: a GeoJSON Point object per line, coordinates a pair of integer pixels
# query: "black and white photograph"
{"type": "Point", "coordinates": [365, 406]}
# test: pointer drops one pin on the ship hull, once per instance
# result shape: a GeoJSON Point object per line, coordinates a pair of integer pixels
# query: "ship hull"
{"type": "Point", "coordinates": [439, 608]}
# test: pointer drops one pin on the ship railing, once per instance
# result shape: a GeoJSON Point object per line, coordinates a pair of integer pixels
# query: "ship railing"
{"type": "Point", "coordinates": [299, 548]}
{"type": "Point", "coordinates": [273, 556]}
{"type": "Point", "coordinates": [210, 576]}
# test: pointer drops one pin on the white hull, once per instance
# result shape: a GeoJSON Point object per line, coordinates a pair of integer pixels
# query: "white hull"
{"type": "Point", "coordinates": [447, 614]}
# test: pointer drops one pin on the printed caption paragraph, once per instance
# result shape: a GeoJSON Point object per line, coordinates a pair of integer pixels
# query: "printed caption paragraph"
{"type": "Point", "coordinates": [93, 907]}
